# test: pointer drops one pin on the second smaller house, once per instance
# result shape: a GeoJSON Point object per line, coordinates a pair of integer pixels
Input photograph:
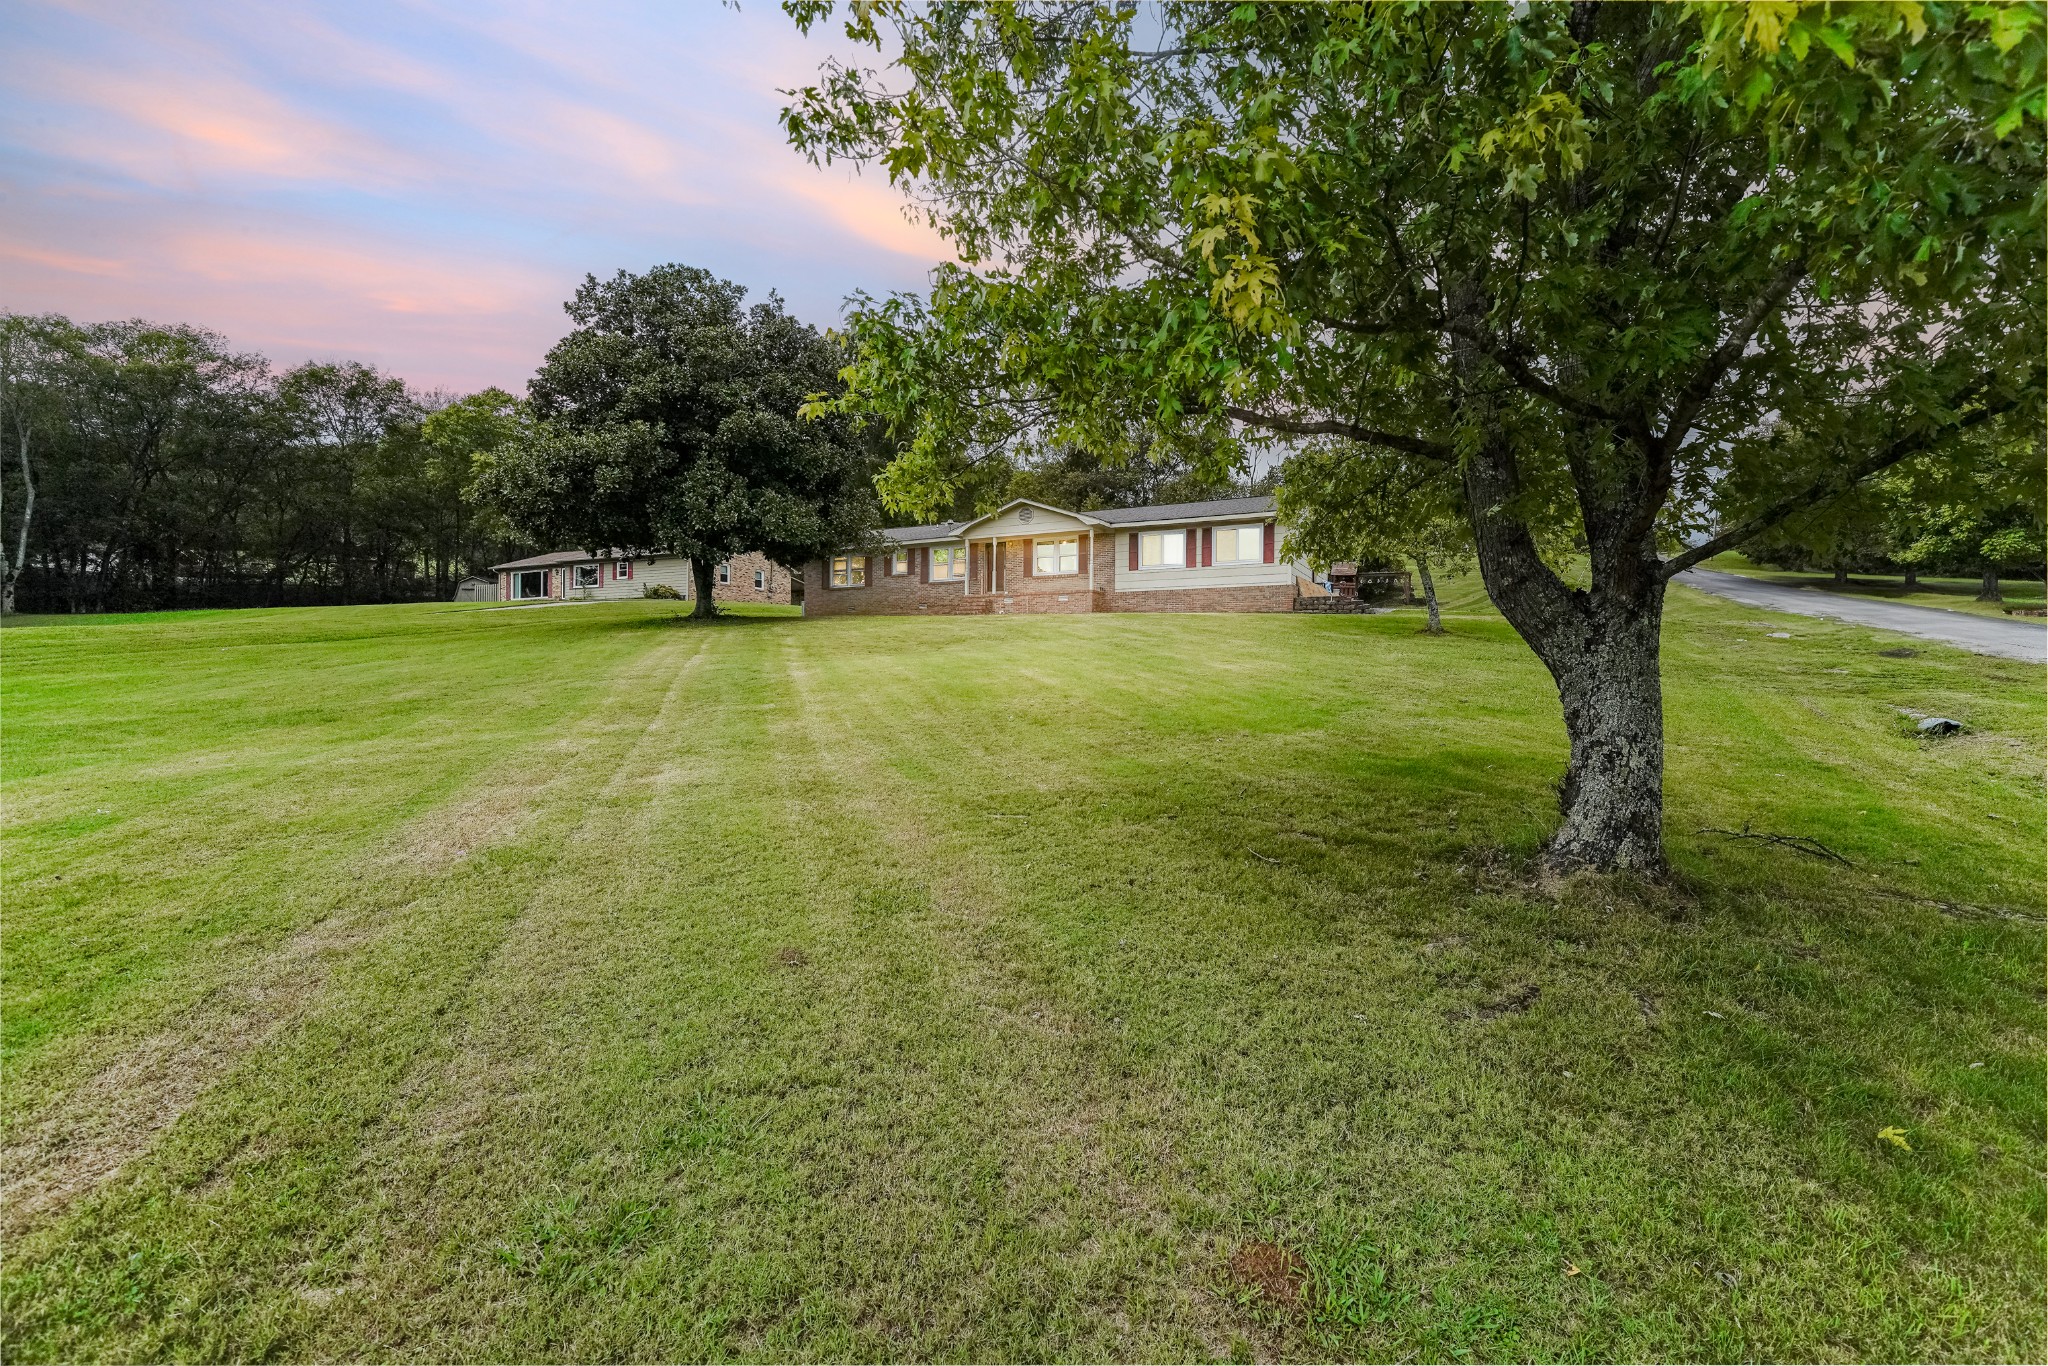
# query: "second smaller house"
{"type": "Point", "coordinates": [579, 576]}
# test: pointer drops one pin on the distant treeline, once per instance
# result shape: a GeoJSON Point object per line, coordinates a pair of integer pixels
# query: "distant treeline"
{"type": "Point", "coordinates": [147, 466]}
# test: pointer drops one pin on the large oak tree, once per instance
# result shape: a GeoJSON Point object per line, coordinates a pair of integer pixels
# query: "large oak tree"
{"type": "Point", "coordinates": [1648, 278]}
{"type": "Point", "coordinates": [668, 421]}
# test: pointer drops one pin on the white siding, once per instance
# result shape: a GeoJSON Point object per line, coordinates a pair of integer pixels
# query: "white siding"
{"type": "Point", "coordinates": [672, 570]}
{"type": "Point", "coordinates": [1129, 580]}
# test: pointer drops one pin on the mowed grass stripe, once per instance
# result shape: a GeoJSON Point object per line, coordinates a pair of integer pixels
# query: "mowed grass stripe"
{"type": "Point", "coordinates": [124, 919]}
{"type": "Point", "coordinates": [1126, 940]}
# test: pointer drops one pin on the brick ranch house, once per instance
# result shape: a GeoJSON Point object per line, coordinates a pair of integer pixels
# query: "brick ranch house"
{"type": "Point", "coordinates": [1220, 556]}
{"type": "Point", "coordinates": [577, 575]}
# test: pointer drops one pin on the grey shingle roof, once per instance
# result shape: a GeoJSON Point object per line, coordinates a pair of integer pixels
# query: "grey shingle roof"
{"type": "Point", "coordinates": [547, 561]}
{"type": "Point", "coordinates": [919, 535]}
{"type": "Point", "coordinates": [1175, 512]}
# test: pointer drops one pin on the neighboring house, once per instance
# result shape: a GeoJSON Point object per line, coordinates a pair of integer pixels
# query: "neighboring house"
{"type": "Point", "coordinates": [1220, 556]}
{"type": "Point", "coordinates": [576, 575]}
{"type": "Point", "coordinates": [474, 589]}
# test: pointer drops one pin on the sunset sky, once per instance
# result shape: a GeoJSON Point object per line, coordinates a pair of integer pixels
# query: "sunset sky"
{"type": "Point", "coordinates": [416, 185]}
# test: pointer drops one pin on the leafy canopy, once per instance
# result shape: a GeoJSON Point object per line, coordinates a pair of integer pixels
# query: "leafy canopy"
{"type": "Point", "coordinates": [668, 420]}
{"type": "Point", "coordinates": [1622, 240]}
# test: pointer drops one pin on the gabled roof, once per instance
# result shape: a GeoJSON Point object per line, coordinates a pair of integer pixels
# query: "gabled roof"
{"type": "Point", "coordinates": [555, 557]}
{"type": "Point", "coordinates": [973, 522]}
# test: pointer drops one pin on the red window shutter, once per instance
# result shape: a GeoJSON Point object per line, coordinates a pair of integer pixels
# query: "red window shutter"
{"type": "Point", "coordinates": [1191, 543]}
{"type": "Point", "coordinates": [1208, 546]}
{"type": "Point", "coordinates": [1030, 558]}
{"type": "Point", "coordinates": [1269, 543]}
{"type": "Point", "coordinates": [868, 575]}
{"type": "Point", "coordinates": [1134, 550]}
{"type": "Point", "coordinates": [924, 563]}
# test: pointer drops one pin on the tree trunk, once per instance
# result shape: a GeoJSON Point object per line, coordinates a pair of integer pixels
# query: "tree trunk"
{"type": "Point", "coordinates": [1988, 590]}
{"type": "Point", "coordinates": [28, 511]}
{"type": "Point", "coordinates": [1613, 791]}
{"type": "Point", "coordinates": [1436, 620]}
{"type": "Point", "coordinates": [1912, 579]}
{"type": "Point", "coordinates": [1601, 646]}
{"type": "Point", "coordinates": [701, 571]}
{"type": "Point", "coordinates": [1841, 577]}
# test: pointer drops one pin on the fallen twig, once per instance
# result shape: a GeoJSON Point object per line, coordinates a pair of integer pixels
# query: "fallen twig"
{"type": "Point", "coordinates": [1805, 844]}
{"type": "Point", "coordinates": [1262, 858]}
{"type": "Point", "coordinates": [1962, 910]}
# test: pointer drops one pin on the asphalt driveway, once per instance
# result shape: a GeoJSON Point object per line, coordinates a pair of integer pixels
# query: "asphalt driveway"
{"type": "Point", "coordinates": [2013, 638]}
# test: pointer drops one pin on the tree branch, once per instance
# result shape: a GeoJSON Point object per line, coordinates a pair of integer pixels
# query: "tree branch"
{"type": "Point", "coordinates": [1695, 394]}
{"type": "Point", "coordinates": [1296, 426]}
{"type": "Point", "coordinates": [1527, 379]}
{"type": "Point", "coordinates": [1842, 481]}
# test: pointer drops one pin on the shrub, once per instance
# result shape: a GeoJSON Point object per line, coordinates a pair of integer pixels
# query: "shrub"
{"type": "Point", "coordinates": [661, 590]}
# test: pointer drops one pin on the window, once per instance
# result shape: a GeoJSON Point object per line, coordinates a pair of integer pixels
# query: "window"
{"type": "Point", "coordinates": [725, 572]}
{"type": "Point", "coordinates": [530, 583]}
{"type": "Point", "coordinates": [899, 563]}
{"type": "Point", "coordinates": [1057, 557]}
{"type": "Point", "coordinates": [849, 571]}
{"type": "Point", "coordinates": [588, 576]}
{"type": "Point", "coordinates": [1241, 544]}
{"type": "Point", "coordinates": [760, 580]}
{"type": "Point", "coordinates": [624, 570]}
{"type": "Point", "coordinates": [949, 562]}
{"type": "Point", "coordinates": [1162, 549]}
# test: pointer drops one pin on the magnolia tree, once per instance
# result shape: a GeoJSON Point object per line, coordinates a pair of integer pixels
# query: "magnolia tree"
{"type": "Point", "coordinates": [1583, 259]}
{"type": "Point", "coordinates": [668, 421]}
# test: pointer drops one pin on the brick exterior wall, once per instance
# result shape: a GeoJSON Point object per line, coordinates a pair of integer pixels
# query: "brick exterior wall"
{"type": "Point", "coordinates": [1264, 597]}
{"type": "Point", "coordinates": [741, 589]}
{"type": "Point", "coordinates": [890, 594]}
{"type": "Point", "coordinates": [1024, 592]}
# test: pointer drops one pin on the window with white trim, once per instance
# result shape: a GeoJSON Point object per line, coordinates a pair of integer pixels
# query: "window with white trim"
{"type": "Point", "coordinates": [949, 562]}
{"type": "Point", "coordinates": [588, 576]}
{"type": "Point", "coordinates": [849, 571]}
{"type": "Point", "coordinates": [1162, 549]}
{"type": "Point", "coordinates": [899, 563]}
{"type": "Point", "coordinates": [760, 580]}
{"type": "Point", "coordinates": [1241, 544]}
{"type": "Point", "coordinates": [530, 583]}
{"type": "Point", "coordinates": [725, 572]}
{"type": "Point", "coordinates": [1062, 556]}
{"type": "Point", "coordinates": [624, 570]}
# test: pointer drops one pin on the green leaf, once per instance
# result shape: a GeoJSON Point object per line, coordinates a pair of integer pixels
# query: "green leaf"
{"type": "Point", "coordinates": [1838, 43]}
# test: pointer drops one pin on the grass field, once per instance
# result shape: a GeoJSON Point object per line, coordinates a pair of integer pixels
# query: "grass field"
{"type": "Point", "coordinates": [440, 983]}
{"type": "Point", "coordinates": [1956, 595]}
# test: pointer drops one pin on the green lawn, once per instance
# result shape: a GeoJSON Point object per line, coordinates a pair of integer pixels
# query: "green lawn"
{"type": "Point", "coordinates": [442, 983]}
{"type": "Point", "coordinates": [1956, 595]}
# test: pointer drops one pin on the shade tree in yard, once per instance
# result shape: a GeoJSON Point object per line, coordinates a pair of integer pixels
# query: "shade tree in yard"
{"type": "Point", "coordinates": [1363, 505]}
{"type": "Point", "coordinates": [667, 421]}
{"type": "Point", "coordinates": [1576, 257]}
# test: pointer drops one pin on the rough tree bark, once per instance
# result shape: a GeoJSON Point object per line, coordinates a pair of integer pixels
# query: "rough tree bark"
{"type": "Point", "coordinates": [1912, 578]}
{"type": "Point", "coordinates": [1987, 589]}
{"type": "Point", "coordinates": [1601, 646]}
{"type": "Point", "coordinates": [702, 579]}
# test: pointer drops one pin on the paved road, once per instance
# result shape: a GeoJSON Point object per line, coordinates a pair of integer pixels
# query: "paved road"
{"type": "Point", "coordinates": [2012, 637]}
